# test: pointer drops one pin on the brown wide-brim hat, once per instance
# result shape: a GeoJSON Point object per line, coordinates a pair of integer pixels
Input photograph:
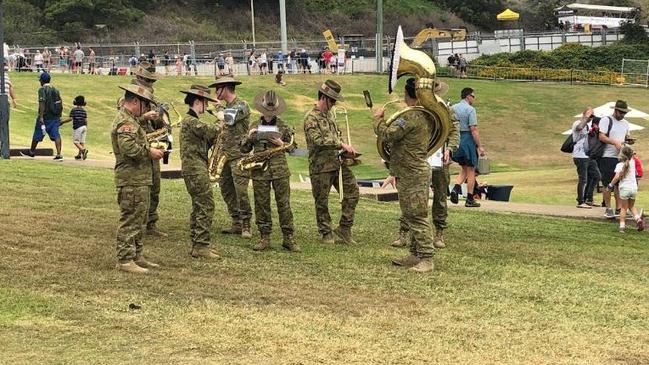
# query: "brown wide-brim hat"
{"type": "Point", "coordinates": [144, 71]}
{"type": "Point", "coordinates": [331, 89]}
{"type": "Point", "coordinates": [200, 91]}
{"type": "Point", "coordinates": [138, 90]}
{"type": "Point", "coordinates": [144, 84]}
{"type": "Point", "coordinates": [224, 80]}
{"type": "Point", "coordinates": [270, 103]}
{"type": "Point", "coordinates": [622, 106]}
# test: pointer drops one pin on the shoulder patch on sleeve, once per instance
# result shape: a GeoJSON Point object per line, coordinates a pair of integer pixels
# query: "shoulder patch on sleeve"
{"type": "Point", "coordinates": [400, 122]}
{"type": "Point", "coordinates": [125, 128]}
{"type": "Point", "coordinates": [310, 122]}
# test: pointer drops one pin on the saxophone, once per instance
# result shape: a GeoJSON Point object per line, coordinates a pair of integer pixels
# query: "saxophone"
{"type": "Point", "coordinates": [217, 160]}
{"type": "Point", "coordinates": [406, 61]}
{"type": "Point", "coordinates": [260, 160]}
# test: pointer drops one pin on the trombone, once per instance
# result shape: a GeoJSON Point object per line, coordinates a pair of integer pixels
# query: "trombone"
{"type": "Point", "coordinates": [342, 155]}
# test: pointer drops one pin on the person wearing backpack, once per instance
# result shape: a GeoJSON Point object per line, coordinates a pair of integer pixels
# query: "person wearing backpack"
{"type": "Point", "coordinates": [587, 170]}
{"type": "Point", "coordinates": [50, 108]}
{"type": "Point", "coordinates": [613, 132]}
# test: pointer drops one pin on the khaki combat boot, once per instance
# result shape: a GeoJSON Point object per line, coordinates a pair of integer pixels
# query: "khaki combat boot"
{"type": "Point", "coordinates": [142, 262]}
{"type": "Point", "coordinates": [245, 229]}
{"type": "Point", "coordinates": [408, 261]}
{"type": "Point", "coordinates": [327, 238]}
{"type": "Point", "coordinates": [131, 267]}
{"type": "Point", "coordinates": [204, 252]}
{"type": "Point", "coordinates": [290, 244]}
{"type": "Point", "coordinates": [424, 265]}
{"type": "Point", "coordinates": [264, 243]}
{"type": "Point", "coordinates": [438, 241]}
{"type": "Point", "coordinates": [155, 232]}
{"type": "Point", "coordinates": [235, 228]}
{"type": "Point", "coordinates": [402, 241]}
{"type": "Point", "coordinates": [345, 235]}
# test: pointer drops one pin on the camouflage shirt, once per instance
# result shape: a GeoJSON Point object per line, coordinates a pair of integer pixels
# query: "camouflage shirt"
{"type": "Point", "coordinates": [277, 164]}
{"type": "Point", "coordinates": [453, 140]}
{"type": "Point", "coordinates": [196, 140]}
{"type": "Point", "coordinates": [235, 127]}
{"type": "Point", "coordinates": [322, 140]}
{"type": "Point", "coordinates": [131, 150]}
{"type": "Point", "coordinates": [408, 136]}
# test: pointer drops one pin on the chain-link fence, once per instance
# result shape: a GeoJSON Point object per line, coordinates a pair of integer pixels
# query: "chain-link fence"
{"type": "Point", "coordinates": [200, 58]}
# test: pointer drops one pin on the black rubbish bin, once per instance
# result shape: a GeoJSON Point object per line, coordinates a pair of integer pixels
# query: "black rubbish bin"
{"type": "Point", "coordinates": [499, 192]}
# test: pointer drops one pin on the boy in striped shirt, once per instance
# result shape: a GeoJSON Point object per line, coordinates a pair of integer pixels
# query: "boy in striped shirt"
{"type": "Point", "coordinates": [79, 126]}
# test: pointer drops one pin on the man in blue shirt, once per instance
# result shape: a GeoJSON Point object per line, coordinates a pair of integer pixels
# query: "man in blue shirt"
{"type": "Point", "coordinates": [467, 153]}
{"type": "Point", "coordinates": [50, 107]}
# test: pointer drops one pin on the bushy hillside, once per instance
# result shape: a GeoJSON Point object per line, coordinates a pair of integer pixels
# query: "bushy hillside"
{"type": "Point", "coordinates": [39, 21]}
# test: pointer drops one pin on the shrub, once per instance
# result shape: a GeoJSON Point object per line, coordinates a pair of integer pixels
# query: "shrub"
{"type": "Point", "coordinates": [570, 56]}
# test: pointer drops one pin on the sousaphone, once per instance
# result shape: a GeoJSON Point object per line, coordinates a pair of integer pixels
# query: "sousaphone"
{"type": "Point", "coordinates": [409, 62]}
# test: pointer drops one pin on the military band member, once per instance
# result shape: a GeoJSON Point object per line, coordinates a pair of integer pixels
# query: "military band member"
{"type": "Point", "coordinates": [145, 76]}
{"type": "Point", "coordinates": [133, 178]}
{"type": "Point", "coordinates": [274, 172]}
{"type": "Point", "coordinates": [234, 182]}
{"type": "Point", "coordinates": [439, 182]}
{"type": "Point", "coordinates": [409, 136]}
{"type": "Point", "coordinates": [324, 144]}
{"type": "Point", "coordinates": [196, 140]}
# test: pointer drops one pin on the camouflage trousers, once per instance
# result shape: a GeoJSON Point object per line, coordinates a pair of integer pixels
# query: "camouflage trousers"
{"type": "Point", "coordinates": [234, 190]}
{"type": "Point", "coordinates": [154, 200]}
{"type": "Point", "coordinates": [439, 182]}
{"type": "Point", "coordinates": [321, 184]}
{"type": "Point", "coordinates": [413, 200]}
{"type": "Point", "coordinates": [133, 204]}
{"type": "Point", "coordinates": [200, 220]}
{"type": "Point", "coordinates": [263, 213]}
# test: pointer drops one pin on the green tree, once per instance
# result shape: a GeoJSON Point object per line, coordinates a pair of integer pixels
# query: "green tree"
{"type": "Point", "coordinates": [634, 33]}
{"type": "Point", "coordinates": [478, 12]}
{"type": "Point", "coordinates": [23, 23]}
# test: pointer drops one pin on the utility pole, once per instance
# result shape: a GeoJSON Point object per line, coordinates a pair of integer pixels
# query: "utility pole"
{"type": "Point", "coordinates": [379, 36]}
{"type": "Point", "coordinates": [282, 21]}
{"type": "Point", "coordinates": [4, 100]}
{"type": "Point", "coordinates": [252, 19]}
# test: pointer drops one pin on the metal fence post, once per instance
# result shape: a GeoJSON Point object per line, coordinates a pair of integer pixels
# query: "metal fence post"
{"type": "Point", "coordinates": [571, 76]}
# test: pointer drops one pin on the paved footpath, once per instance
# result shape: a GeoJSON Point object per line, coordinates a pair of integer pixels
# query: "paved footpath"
{"type": "Point", "coordinates": [487, 205]}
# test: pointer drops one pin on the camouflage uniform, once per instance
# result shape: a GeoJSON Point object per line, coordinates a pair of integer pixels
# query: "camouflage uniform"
{"type": "Point", "coordinates": [234, 182]}
{"type": "Point", "coordinates": [151, 126]}
{"type": "Point", "coordinates": [324, 142]}
{"type": "Point", "coordinates": [133, 174]}
{"type": "Point", "coordinates": [441, 178]}
{"type": "Point", "coordinates": [196, 139]}
{"type": "Point", "coordinates": [440, 181]}
{"type": "Point", "coordinates": [276, 175]}
{"type": "Point", "coordinates": [409, 136]}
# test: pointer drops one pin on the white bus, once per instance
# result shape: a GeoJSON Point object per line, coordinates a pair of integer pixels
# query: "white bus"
{"type": "Point", "coordinates": [595, 16]}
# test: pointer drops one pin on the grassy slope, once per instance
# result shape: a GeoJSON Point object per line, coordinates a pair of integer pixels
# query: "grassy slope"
{"type": "Point", "coordinates": [520, 123]}
{"type": "Point", "coordinates": [508, 290]}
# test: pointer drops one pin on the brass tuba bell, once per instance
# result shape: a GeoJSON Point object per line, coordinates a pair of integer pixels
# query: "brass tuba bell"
{"type": "Point", "coordinates": [407, 61]}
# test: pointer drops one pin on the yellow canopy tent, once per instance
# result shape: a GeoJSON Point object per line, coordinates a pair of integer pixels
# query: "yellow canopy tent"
{"type": "Point", "coordinates": [507, 15]}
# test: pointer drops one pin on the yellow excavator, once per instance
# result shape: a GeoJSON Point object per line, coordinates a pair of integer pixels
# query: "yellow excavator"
{"type": "Point", "coordinates": [456, 34]}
